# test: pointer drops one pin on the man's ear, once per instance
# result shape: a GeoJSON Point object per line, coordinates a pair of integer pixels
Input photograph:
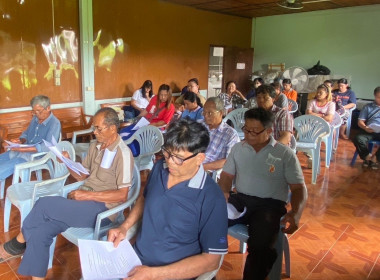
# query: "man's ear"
{"type": "Point", "coordinates": [48, 108]}
{"type": "Point", "coordinates": [200, 158]}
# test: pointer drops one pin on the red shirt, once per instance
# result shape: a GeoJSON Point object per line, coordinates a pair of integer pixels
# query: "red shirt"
{"type": "Point", "coordinates": [163, 114]}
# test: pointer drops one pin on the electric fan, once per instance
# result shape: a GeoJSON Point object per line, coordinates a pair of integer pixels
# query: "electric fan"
{"type": "Point", "coordinates": [298, 76]}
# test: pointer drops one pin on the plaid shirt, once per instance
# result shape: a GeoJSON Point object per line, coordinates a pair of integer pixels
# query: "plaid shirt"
{"type": "Point", "coordinates": [234, 100]}
{"type": "Point", "coordinates": [222, 139]}
{"type": "Point", "coordinates": [283, 121]}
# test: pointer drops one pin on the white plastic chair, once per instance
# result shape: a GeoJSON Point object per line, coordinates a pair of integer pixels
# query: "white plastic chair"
{"type": "Point", "coordinates": [150, 140]}
{"type": "Point", "coordinates": [81, 149]}
{"type": "Point", "coordinates": [23, 195]}
{"type": "Point", "coordinates": [237, 119]}
{"type": "Point", "coordinates": [293, 106]}
{"type": "Point", "coordinates": [293, 143]}
{"type": "Point", "coordinates": [348, 129]}
{"type": "Point", "coordinates": [331, 142]}
{"type": "Point", "coordinates": [240, 232]}
{"type": "Point", "coordinates": [310, 130]}
{"type": "Point", "coordinates": [99, 232]}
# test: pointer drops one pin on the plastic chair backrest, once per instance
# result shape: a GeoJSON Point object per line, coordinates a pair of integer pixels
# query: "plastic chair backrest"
{"type": "Point", "coordinates": [310, 127]}
{"type": "Point", "coordinates": [150, 140]}
{"type": "Point", "coordinates": [337, 120]}
{"type": "Point", "coordinates": [60, 168]}
{"type": "Point", "coordinates": [236, 117]}
{"type": "Point", "coordinates": [293, 106]}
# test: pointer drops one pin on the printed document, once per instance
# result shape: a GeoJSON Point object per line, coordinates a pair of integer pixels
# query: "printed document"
{"type": "Point", "coordinates": [74, 166]}
{"type": "Point", "coordinates": [101, 260]}
{"type": "Point", "coordinates": [142, 122]}
{"type": "Point", "coordinates": [18, 145]}
{"type": "Point", "coordinates": [375, 127]}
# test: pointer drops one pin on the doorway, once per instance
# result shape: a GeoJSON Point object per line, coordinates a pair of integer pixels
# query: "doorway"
{"type": "Point", "coordinates": [215, 70]}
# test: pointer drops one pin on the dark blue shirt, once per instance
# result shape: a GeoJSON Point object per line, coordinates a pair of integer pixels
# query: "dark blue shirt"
{"type": "Point", "coordinates": [345, 97]}
{"type": "Point", "coordinates": [186, 220]}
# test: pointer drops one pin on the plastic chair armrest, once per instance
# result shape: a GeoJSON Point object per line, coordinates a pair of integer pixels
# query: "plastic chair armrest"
{"type": "Point", "coordinates": [80, 132]}
{"type": "Point", "coordinates": [68, 188]}
{"type": "Point", "coordinates": [21, 168]}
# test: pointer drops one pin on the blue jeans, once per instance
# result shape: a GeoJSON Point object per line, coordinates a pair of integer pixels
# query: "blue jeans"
{"type": "Point", "coordinates": [7, 165]}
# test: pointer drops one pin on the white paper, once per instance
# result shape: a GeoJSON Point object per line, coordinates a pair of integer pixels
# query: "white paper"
{"type": "Point", "coordinates": [100, 260]}
{"type": "Point", "coordinates": [142, 122]}
{"type": "Point", "coordinates": [74, 166]}
{"type": "Point", "coordinates": [18, 145]}
{"type": "Point", "coordinates": [124, 134]}
{"type": "Point", "coordinates": [375, 127]}
{"type": "Point", "coordinates": [233, 213]}
{"type": "Point", "coordinates": [107, 159]}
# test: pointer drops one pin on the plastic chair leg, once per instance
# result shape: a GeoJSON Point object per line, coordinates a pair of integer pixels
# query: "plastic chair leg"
{"type": "Point", "coordinates": [329, 145]}
{"type": "Point", "coordinates": [315, 167]}
{"type": "Point", "coordinates": [348, 128]}
{"type": "Point", "coordinates": [286, 255]}
{"type": "Point", "coordinates": [354, 158]}
{"type": "Point", "coordinates": [243, 247]}
{"type": "Point", "coordinates": [336, 138]}
{"type": "Point", "coordinates": [7, 213]}
{"type": "Point", "coordinates": [2, 186]}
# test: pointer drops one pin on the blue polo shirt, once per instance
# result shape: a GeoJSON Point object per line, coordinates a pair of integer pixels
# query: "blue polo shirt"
{"type": "Point", "coordinates": [370, 110]}
{"type": "Point", "coordinates": [195, 115]}
{"type": "Point", "coordinates": [186, 220]}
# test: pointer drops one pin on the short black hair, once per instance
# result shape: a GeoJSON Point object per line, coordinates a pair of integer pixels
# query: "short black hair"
{"type": "Point", "coordinates": [192, 97]}
{"type": "Point", "coordinates": [187, 135]}
{"type": "Point", "coordinates": [286, 81]}
{"type": "Point", "coordinates": [265, 117]}
{"type": "Point", "coordinates": [376, 90]}
{"type": "Point", "coordinates": [264, 89]}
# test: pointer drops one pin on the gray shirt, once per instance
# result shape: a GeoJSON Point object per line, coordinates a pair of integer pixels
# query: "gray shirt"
{"type": "Point", "coordinates": [265, 174]}
{"type": "Point", "coordinates": [282, 101]}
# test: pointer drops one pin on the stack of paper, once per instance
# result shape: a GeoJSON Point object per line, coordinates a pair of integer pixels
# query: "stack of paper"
{"type": "Point", "coordinates": [101, 260]}
{"type": "Point", "coordinates": [18, 145]}
{"type": "Point", "coordinates": [74, 166]}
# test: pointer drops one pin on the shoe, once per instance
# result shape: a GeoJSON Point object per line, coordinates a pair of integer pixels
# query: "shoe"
{"type": "Point", "coordinates": [5, 256]}
{"type": "Point", "coordinates": [374, 165]}
{"type": "Point", "coordinates": [365, 163]}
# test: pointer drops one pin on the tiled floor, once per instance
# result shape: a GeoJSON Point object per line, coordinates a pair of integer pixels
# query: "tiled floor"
{"type": "Point", "coordinates": [338, 238]}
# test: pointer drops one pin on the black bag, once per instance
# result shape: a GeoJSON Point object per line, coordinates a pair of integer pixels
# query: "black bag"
{"type": "Point", "coordinates": [318, 69]}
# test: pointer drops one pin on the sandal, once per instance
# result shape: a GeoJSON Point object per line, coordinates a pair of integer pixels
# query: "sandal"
{"type": "Point", "coordinates": [374, 165]}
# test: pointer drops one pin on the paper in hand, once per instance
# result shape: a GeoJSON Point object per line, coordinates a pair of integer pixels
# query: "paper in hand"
{"type": "Point", "coordinates": [101, 260]}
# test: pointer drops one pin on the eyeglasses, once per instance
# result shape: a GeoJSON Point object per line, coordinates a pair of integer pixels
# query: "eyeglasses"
{"type": "Point", "coordinates": [99, 129]}
{"type": "Point", "coordinates": [35, 112]}
{"type": "Point", "coordinates": [177, 160]}
{"type": "Point", "coordinates": [204, 113]}
{"type": "Point", "coordinates": [252, 132]}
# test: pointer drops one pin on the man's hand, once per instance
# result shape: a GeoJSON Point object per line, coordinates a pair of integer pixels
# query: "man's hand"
{"type": "Point", "coordinates": [369, 130]}
{"type": "Point", "coordinates": [79, 195]}
{"type": "Point", "coordinates": [116, 235]}
{"type": "Point", "coordinates": [142, 272]}
{"type": "Point", "coordinates": [226, 196]}
{"type": "Point", "coordinates": [17, 140]}
{"type": "Point", "coordinates": [290, 224]}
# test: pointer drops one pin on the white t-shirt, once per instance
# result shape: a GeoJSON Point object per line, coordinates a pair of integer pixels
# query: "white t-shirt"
{"type": "Point", "coordinates": [327, 109]}
{"type": "Point", "coordinates": [141, 102]}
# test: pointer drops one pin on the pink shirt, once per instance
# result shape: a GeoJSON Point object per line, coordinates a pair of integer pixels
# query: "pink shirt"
{"type": "Point", "coordinates": [327, 109]}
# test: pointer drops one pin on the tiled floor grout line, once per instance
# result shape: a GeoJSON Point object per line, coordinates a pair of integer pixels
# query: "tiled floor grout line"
{"type": "Point", "coordinates": [332, 246]}
{"type": "Point", "coordinates": [374, 264]}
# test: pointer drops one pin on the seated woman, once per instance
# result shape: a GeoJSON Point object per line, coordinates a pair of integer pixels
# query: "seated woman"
{"type": "Point", "coordinates": [322, 106]}
{"type": "Point", "coordinates": [256, 83]}
{"type": "Point", "coordinates": [345, 97]}
{"type": "Point", "coordinates": [289, 92]}
{"type": "Point", "coordinates": [232, 98]}
{"type": "Point", "coordinates": [159, 112]}
{"type": "Point", "coordinates": [140, 100]}
{"type": "Point", "coordinates": [193, 107]}
{"type": "Point", "coordinates": [280, 100]}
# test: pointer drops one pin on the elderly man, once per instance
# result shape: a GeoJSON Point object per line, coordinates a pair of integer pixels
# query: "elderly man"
{"type": "Point", "coordinates": [263, 172]}
{"type": "Point", "coordinates": [183, 211]}
{"type": "Point", "coordinates": [283, 121]}
{"type": "Point", "coordinates": [44, 125]}
{"type": "Point", "coordinates": [222, 136]}
{"type": "Point", "coordinates": [105, 187]}
{"type": "Point", "coordinates": [369, 122]}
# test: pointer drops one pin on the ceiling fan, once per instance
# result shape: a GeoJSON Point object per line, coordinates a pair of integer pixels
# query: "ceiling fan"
{"type": "Point", "coordinates": [296, 4]}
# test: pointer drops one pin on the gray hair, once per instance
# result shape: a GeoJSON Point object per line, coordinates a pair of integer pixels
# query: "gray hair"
{"type": "Point", "coordinates": [219, 105]}
{"type": "Point", "coordinates": [41, 100]}
{"type": "Point", "coordinates": [110, 116]}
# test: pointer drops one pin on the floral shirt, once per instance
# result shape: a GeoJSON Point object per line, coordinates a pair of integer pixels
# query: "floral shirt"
{"type": "Point", "coordinates": [231, 101]}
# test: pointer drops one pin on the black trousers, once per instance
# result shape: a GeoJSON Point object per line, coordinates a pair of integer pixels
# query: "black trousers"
{"type": "Point", "coordinates": [361, 143]}
{"type": "Point", "coordinates": [263, 219]}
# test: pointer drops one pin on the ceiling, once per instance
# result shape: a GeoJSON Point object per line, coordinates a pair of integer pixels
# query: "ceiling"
{"type": "Point", "coordinates": [262, 8]}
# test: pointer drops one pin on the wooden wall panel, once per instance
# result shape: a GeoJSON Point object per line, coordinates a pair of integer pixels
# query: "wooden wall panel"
{"type": "Point", "coordinates": [24, 67]}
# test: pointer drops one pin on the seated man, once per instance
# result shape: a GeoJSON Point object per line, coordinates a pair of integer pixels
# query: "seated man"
{"type": "Point", "coordinates": [44, 125]}
{"type": "Point", "coordinates": [184, 226]}
{"type": "Point", "coordinates": [222, 136]}
{"type": "Point", "coordinates": [369, 119]}
{"type": "Point", "coordinates": [105, 187]}
{"type": "Point", "coordinates": [282, 128]}
{"type": "Point", "coordinates": [263, 172]}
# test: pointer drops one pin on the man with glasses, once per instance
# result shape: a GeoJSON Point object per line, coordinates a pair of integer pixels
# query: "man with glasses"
{"type": "Point", "coordinates": [283, 121]}
{"type": "Point", "coordinates": [184, 216]}
{"type": "Point", "coordinates": [222, 136]}
{"type": "Point", "coordinates": [263, 171]}
{"type": "Point", "coordinates": [110, 165]}
{"type": "Point", "coordinates": [44, 125]}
